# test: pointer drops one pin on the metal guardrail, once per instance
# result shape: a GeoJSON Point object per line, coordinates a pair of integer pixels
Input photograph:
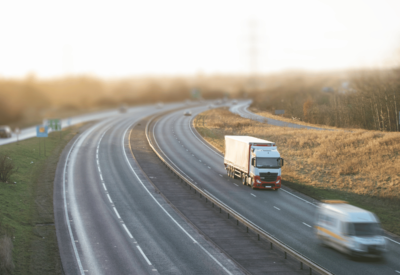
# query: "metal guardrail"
{"type": "Point", "coordinates": [232, 213]}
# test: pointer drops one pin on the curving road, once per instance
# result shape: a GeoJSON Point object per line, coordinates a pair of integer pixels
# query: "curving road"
{"type": "Point", "coordinates": [109, 218]}
{"type": "Point", "coordinates": [287, 216]}
{"type": "Point", "coordinates": [242, 109]}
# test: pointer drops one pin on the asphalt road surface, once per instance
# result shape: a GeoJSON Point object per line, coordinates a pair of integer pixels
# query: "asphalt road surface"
{"type": "Point", "coordinates": [286, 215]}
{"type": "Point", "coordinates": [242, 109]}
{"type": "Point", "coordinates": [109, 218]}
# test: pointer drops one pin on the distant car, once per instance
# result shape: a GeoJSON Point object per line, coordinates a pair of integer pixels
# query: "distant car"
{"type": "Point", "coordinates": [123, 108]}
{"type": "Point", "coordinates": [5, 132]}
{"type": "Point", "coordinates": [187, 113]}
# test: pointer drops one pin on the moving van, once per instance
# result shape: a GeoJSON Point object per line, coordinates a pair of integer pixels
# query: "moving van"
{"type": "Point", "coordinates": [349, 229]}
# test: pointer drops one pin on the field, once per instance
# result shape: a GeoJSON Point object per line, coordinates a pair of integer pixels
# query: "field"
{"type": "Point", "coordinates": [359, 166]}
{"type": "Point", "coordinates": [26, 206]}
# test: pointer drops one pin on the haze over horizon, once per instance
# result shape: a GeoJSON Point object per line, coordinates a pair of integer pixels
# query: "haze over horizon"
{"type": "Point", "coordinates": [125, 38]}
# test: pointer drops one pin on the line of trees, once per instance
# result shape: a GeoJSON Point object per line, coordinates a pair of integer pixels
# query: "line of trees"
{"type": "Point", "coordinates": [368, 99]}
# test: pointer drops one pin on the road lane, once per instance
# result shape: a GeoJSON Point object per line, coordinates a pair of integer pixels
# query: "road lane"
{"type": "Point", "coordinates": [118, 223]}
{"type": "Point", "coordinates": [289, 224]}
{"type": "Point", "coordinates": [242, 109]}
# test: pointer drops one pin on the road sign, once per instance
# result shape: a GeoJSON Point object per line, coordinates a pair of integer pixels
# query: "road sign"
{"type": "Point", "coordinates": [54, 124]}
{"type": "Point", "coordinates": [196, 94]}
{"type": "Point", "coordinates": [279, 112]}
{"type": "Point", "coordinates": [42, 131]}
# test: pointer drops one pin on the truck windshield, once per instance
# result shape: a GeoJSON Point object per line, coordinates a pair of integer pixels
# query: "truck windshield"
{"type": "Point", "coordinates": [268, 163]}
{"type": "Point", "coordinates": [364, 229]}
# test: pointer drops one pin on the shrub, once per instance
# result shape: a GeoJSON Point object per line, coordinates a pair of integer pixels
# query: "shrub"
{"type": "Point", "coordinates": [7, 168]}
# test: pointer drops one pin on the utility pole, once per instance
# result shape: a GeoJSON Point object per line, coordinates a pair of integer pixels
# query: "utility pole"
{"type": "Point", "coordinates": [253, 54]}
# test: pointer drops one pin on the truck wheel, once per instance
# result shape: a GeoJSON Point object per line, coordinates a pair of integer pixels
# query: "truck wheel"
{"type": "Point", "coordinates": [234, 174]}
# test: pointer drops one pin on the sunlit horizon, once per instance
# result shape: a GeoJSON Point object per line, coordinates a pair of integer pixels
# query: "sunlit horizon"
{"type": "Point", "coordinates": [121, 38]}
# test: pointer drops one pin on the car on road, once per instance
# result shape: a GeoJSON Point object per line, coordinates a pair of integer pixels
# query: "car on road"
{"type": "Point", "coordinates": [123, 108]}
{"type": "Point", "coordinates": [349, 229]}
{"type": "Point", "coordinates": [5, 132]}
{"type": "Point", "coordinates": [187, 113]}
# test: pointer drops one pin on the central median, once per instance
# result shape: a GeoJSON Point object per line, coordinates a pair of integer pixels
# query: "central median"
{"type": "Point", "coordinates": [256, 238]}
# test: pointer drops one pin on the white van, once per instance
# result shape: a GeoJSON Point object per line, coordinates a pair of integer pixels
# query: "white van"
{"type": "Point", "coordinates": [349, 229]}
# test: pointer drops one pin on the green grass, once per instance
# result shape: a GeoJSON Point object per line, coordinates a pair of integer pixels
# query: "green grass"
{"type": "Point", "coordinates": [26, 203]}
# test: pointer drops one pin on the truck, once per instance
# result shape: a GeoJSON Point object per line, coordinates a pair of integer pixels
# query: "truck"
{"type": "Point", "coordinates": [256, 161]}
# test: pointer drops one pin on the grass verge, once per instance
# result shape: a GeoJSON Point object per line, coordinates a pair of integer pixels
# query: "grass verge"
{"type": "Point", "coordinates": [26, 206]}
{"type": "Point", "coordinates": [361, 167]}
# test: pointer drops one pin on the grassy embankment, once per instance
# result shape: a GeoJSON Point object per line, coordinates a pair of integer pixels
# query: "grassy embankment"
{"type": "Point", "coordinates": [267, 115]}
{"type": "Point", "coordinates": [361, 167]}
{"type": "Point", "coordinates": [26, 205]}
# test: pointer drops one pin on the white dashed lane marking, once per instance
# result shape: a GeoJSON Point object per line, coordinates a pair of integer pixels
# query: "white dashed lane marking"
{"type": "Point", "coordinates": [307, 224]}
{"type": "Point", "coordinates": [109, 198]}
{"type": "Point", "coordinates": [116, 212]}
{"type": "Point", "coordinates": [220, 175]}
{"type": "Point", "coordinates": [127, 231]}
{"type": "Point", "coordinates": [276, 207]}
{"type": "Point", "coordinates": [209, 167]}
{"type": "Point", "coordinates": [144, 256]}
{"type": "Point", "coordinates": [253, 195]}
{"type": "Point", "coordinates": [235, 184]}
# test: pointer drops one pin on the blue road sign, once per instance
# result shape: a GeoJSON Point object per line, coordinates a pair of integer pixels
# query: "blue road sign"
{"type": "Point", "coordinates": [41, 131]}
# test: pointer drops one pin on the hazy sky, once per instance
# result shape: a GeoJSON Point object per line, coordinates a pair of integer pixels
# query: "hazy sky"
{"type": "Point", "coordinates": [121, 38]}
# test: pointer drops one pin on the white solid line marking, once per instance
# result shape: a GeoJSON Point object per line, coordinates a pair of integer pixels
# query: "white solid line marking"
{"type": "Point", "coordinates": [253, 195]}
{"type": "Point", "coordinates": [116, 212]}
{"type": "Point", "coordinates": [299, 197]}
{"type": "Point", "coordinates": [276, 207]}
{"type": "Point", "coordinates": [220, 175]}
{"type": "Point", "coordinates": [165, 211]}
{"type": "Point", "coordinates": [109, 198]}
{"type": "Point", "coordinates": [391, 240]}
{"type": "Point", "coordinates": [144, 256]}
{"type": "Point", "coordinates": [127, 231]}
{"type": "Point", "coordinates": [104, 186]}
{"type": "Point", "coordinates": [307, 224]}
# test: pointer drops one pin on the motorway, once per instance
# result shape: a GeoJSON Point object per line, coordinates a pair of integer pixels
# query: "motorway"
{"type": "Point", "coordinates": [241, 109]}
{"type": "Point", "coordinates": [287, 216]}
{"type": "Point", "coordinates": [109, 218]}
{"type": "Point", "coordinates": [30, 132]}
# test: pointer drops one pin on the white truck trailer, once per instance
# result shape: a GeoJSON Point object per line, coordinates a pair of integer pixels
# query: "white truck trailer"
{"type": "Point", "coordinates": [257, 162]}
